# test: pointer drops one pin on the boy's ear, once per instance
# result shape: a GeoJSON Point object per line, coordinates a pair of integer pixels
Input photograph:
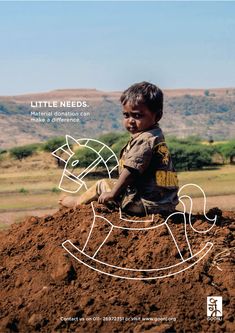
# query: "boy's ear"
{"type": "Point", "coordinates": [158, 116]}
{"type": "Point", "coordinates": [70, 142]}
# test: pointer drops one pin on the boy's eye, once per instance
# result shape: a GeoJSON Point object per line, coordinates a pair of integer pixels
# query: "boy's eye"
{"type": "Point", "coordinates": [133, 115]}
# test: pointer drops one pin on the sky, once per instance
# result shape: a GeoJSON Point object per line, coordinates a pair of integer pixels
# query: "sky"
{"type": "Point", "coordinates": [111, 45]}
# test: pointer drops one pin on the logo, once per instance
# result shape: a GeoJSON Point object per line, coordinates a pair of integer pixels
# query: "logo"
{"type": "Point", "coordinates": [214, 307]}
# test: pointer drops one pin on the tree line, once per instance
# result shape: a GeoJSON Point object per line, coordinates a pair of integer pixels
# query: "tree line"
{"type": "Point", "coordinates": [188, 153]}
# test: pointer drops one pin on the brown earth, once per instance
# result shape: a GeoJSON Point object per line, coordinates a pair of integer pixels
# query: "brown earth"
{"type": "Point", "coordinates": [61, 94]}
{"type": "Point", "coordinates": [41, 282]}
{"type": "Point", "coordinates": [94, 94]}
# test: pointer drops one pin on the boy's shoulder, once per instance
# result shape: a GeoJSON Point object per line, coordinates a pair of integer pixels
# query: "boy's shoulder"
{"type": "Point", "coordinates": [152, 135]}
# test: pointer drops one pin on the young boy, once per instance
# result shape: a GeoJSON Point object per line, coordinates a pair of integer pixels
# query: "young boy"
{"type": "Point", "coordinates": [147, 182]}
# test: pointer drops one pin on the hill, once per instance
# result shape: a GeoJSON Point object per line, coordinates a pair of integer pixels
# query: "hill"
{"type": "Point", "coordinates": [44, 289]}
{"type": "Point", "coordinates": [207, 113]}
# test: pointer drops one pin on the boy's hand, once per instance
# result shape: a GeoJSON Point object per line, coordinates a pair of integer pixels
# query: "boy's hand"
{"type": "Point", "coordinates": [105, 197]}
{"type": "Point", "coordinates": [126, 178]}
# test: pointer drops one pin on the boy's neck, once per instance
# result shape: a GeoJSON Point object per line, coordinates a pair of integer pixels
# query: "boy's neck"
{"type": "Point", "coordinates": [137, 134]}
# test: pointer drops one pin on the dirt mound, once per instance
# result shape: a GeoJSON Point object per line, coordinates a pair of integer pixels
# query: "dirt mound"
{"type": "Point", "coordinates": [45, 289]}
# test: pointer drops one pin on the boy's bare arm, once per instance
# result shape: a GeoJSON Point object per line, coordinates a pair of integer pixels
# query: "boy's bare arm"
{"type": "Point", "coordinates": [126, 178]}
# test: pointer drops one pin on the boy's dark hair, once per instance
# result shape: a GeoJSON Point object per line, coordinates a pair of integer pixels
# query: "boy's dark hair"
{"type": "Point", "coordinates": [144, 93]}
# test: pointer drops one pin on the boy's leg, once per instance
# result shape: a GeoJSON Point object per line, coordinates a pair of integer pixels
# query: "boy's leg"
{"type": "Point", "coordinates": [135, 208]}
{"type": "Point", "coordinates": [92, 194]}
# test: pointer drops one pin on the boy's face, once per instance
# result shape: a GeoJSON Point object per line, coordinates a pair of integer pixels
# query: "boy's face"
{"type": "Point", "coordinates": [138, 119]}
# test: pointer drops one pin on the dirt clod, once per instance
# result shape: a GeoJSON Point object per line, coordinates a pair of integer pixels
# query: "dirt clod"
{"type": "Point", "coordinates": [45, 289]}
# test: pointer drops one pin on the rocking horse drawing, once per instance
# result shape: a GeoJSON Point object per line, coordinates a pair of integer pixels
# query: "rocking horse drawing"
{"type": "Point", "coordinates": [73, 180]}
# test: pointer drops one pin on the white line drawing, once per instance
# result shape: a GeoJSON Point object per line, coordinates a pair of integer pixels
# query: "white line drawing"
{"type": "Point", "coordinates": [220, 257]}
{"type": "Point", "coordinates": [126, 224]}
{"type": "Point", "coordinates": [159, 273]}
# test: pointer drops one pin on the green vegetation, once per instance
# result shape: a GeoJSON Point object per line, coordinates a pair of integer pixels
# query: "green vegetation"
{"type": "Point", "coordinates": [188, 153]}
{"type": "Point", "coordinates": [53, 144]}
{"type": "Point", "coordinates": [84, 157]}
{"type": "Point", "coordinates": [55, 190]}
{"type": "Point", "coordinates": [189, 157]}
{"type": "Point", "coordinates": [190, 140]}
{"type": "Point", "coordinates": [227, 151]}
{"type": "Point", "coordinates": [115, 141]}
{"type": "Point", "coordinates": [192, 154]}
{"type": "Point", "coordinates": [110, 138]}
{"type": "Point", "coordinates": [2, 151]}
{"type": "Point", "coordinates": [23, 151]}
{"type": "Point", "coordinates": [23, 190]}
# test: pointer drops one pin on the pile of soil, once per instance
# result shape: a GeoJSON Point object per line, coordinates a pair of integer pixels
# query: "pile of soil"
{"type": "Point", "coordinates": [45, 289]}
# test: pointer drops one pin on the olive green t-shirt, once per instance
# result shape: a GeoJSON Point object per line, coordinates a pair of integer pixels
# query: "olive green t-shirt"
{"type": "Point", "coordinates": [156, 183]}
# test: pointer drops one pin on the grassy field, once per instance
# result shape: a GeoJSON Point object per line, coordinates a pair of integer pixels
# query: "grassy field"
{"type": "Point", "coordinates": [31, 185]}
{"type": "Point", "coordinates": [215, 182]}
